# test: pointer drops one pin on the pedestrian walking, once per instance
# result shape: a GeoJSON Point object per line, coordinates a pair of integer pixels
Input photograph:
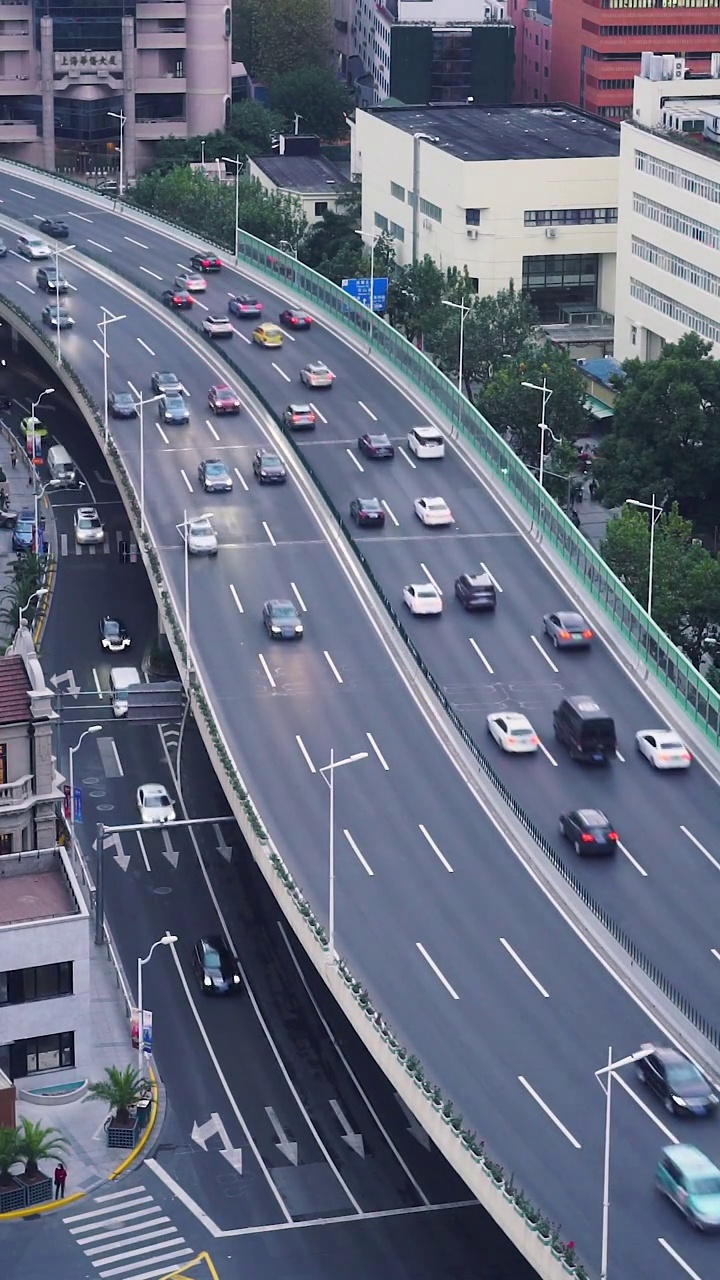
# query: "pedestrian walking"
{"type": "Point", "coordinates": [13, 457]}
{"type": "Point", "coordinates": [60, 1176]}
{"type": "Point", "coordinates": [593, 488]}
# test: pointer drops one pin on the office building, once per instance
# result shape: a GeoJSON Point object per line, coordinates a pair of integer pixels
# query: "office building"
{"type": "Point", "coordinates": [668, 229]}
{"type": "Point", "coordinates": [533, 46]}
{"type": "Point", "coordinates": [519, 193]}
{"type": "Point", "coordinates": [74, 75]}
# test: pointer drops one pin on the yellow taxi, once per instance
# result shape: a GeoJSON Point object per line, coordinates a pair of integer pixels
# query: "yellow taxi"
{"type": "Point", "coordinates": [268, 335]}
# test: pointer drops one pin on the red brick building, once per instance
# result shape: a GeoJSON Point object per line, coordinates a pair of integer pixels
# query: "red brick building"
{"type": "Point", "coordinates": [533, 29]}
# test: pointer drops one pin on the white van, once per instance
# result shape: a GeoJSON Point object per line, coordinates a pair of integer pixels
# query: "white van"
{"type": "Point", "coordinates": [121, 678]}
{"type": "Point", "coordinates": [426, 442]}
{"type": "Point", "coordinates": [61, 466]}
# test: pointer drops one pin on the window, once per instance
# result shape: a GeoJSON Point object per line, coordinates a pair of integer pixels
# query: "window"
{"type": "Point", "coordinates": [6, 845]}
{"type": "Point", "coordinates": [3, 763]}
{"type": "Point", "coordinates": [568, 217]}
{"type": "Point", "coordinates": [49, 1053]}
{"type": "Point", "coordinates": [633, 335]}
{"type": "Point", "coordinates": [685, 316]}
{"type": "Point", "coordinates": [545, 72]}
{"type": "Point", "coordinates": [397, 232]}
{"type": "Point", "coordinates": [678, 267]}
{"type": "Point", "coordinates": [381, 222]}
{"type": "Point", "coordinates": [430, 210]}
{"type": "Point", "coordinates": [44, 982]}
{"type": "Point", "coordinates": [320, 208]}
{"type": "Point", "coordinates": [397, 191]}
{"type": "Point", "coordinates": [472, 217]}
{"type": "Point", "coordinates": [675, 221]}
{"type": "Point", "coordinates": [677, 177]}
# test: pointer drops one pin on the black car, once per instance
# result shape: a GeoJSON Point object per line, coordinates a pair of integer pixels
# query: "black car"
{"type": "Point", "coordinates": [50, 280]}
{"type": "Point", "coordinates": [205, 262]}
{"type": "Point", "coordinates": [589, 831]}
{"type": "Point", "coordinates": [282, 620]}
{"type": "Point", "coordinates": [376, 446]}
{"type": "Point", "coordinates": [295, 319]}
{"type": "Point", "coordinates": [172, 408]}
{"type": "Point", "coordinates": [55, 227]}
{"type": "Point", "coordinates": [113, 634]}
{"type": "Point", "coordinates": [214, 476]}
{"type": "Point", "coordinates": [268, 468]}
{"type": "Point", "coordinates": [216, 969]}
{"type": "Point", "coordinates": [178, 299]}
{"type": "Point", "coordinates": [165, 382]}
{"type": "Point", "coordinates": [476, 591]}
{"type": "Point", "coordinates": [677, 1082]}
{"type": "Point", "coordinates": [57, 317]}
{"type": "Point", "coordinates": [367, 511]}
{"type": "Point", "coordinates": [121, 405]}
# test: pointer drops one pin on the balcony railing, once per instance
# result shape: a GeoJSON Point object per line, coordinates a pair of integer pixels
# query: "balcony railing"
{"type": "Point", "coordinates": [16, 793]}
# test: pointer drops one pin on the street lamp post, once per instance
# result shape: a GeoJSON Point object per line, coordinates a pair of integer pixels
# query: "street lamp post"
{"type": "Point", "coordinates": [417, 139]}
{"type": "Point", "coordinates": [57, 252]}
{"type": "Point", "coordinates": [36, 595]}
{"type": "Point", "coordinates": [95, 728]}
{"type": "Point", "coordinates": [108, 318]}
{"type": "Point", "coordinates": [652, 507]}
{"type": "Point", "coordinates": [607, 1090]}
{"type": "Point", "coordinates": [329, 769]}
{"type": "Point", "coordinates": [238, 167]}
{"type": "Point", "coordinates": [202, 152]}
{"type": "Point", "coordinates": [120, 115]}
{"type": "Point", "coordinates": [141, 402]}
{"type": "Point", "coordinates": [544, 428]}
{"type": "Point", "coordinates": [463, 308]}
{"type": "Point", "coordinates": [49, 391]}
{"type": "Point", "coordinates": [38, 495]}
{"type": "Point", "coordinates": [166, 941]}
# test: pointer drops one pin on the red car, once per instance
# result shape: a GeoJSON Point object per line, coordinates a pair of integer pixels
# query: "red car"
{"type": "Point", "coordinates": [223, 400]}
{"type": "Point", "coordinates": [205, 262]}
{"type": "Point", "coordinates": [178, 299]}
{"type": "Point", "coordinates": [295, 319]}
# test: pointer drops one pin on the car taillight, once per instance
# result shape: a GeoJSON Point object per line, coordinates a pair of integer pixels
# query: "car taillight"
{"type": "Point", "coordinates": [535, 741]}
{"type": "Point", "coordinates": [587, 838]}
{"type": "Point", "coordinates": [564, 635]}
{"type": "Point", "coordinates": [512, 741]}
{"type": "Point", "coordinates": [612, 835]}
{"type": "Point", "coordinates": [587, 635]}
{"type": "Point", "coordinates": [685, 755]}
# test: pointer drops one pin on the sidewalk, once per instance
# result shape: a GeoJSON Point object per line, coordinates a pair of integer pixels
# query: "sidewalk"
{"type": "Point", "coordinates": [20, 495]}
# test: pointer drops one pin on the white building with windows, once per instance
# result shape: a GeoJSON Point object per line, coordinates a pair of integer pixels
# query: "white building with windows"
{"type": "Point", "coordinates": [669, 210]}
{"type": "Point", "coordinates": [527, 194]}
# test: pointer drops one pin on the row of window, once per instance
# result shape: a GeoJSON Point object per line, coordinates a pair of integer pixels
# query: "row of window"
{"type": "Point", "coordinates": [683, 315]}
{"type": "Point", "coordinates": [654, 29]}
{"type": "Point", "coordinates": [397, 191]}
{"type": "Point", "coordinates": [393, 229]}
{"type": "Point", "coordinates": [676, 221]}
{"type": "Point", "coordinates": [678, 177]}
{"type": "Point", "coordinates": [660, 4]}
{"type": "Point", "coordinates": [568, 217]}
{"type": "Point", "coordinates": [610, 84]}
{"type": "Point", "coordinates": [431, 210]}
{"type": "Point", "coordinates": [44, 982]}
{"type": "Point", "coordinates": [678, 267]}
{"type": "Point", "coordinates": [47, 1053]}
{"type": "Point", "coordinates": [612, 113]}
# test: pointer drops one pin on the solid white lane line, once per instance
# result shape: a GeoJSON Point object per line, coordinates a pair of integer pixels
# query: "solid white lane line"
{"type": "Point", "coordinates": [96, 678]}
{"type": "Point", "coordinates": [26, 287]}
{"type": "Point", "coordinates": [317, 413]}
{"type": "Point", "coordinates": [304, 750]}
{"type": "Point", "coordinates": [369, 412]}
{"type": "Point", "coordinates": [332, 667]}
{"type": "Point", "coordinates": [269, 534]}
{"type": "Point", "coordinates": [99, 246]}
{"type": "Point", "coordinates": [102, 1213]}
{"type": "Point", "coordinates": [349, 452]}
{"type": "Point", "coordinates": [481, 655]}
{"type": "Point", "coordinates": [630, 858]}
{"type": "Point", "coordinates": [620, 757]}
{"type": "Point", "coordinates": [438, 972]}
{"type": "Point", "coordinates": [663, 1128]}
{"type": "Point", "coordinates": [184, 476]}
{"type": "Point", "coordinates": [211, 428]}
{"type": "Point", "coordinates": [521, 965]}
{"type": "Point", "coordinates": [715, 953]}
{"type": "Point", "coordinates": [378, 752]}
{"type": "Point", "coordinates": [298, 597]}
{"type": "Point", "coordinates": [551, 1114]}
{"type": "Point", "coordinates": [391, 514]}
{"type": "Point", "coordinates": [240, 334]}
{"type": "Point", "coordinates": [429, 577]}
{"type": "Point", "coordinates": [545, 655]}
{"type": "Point", "coordinates": [280, 371]}
{"type": "Point", "coordinates": [494, 580]}
{"type": "Point", "coordinates": [241, 478]}
{"type": "Point", "coordinates": [130, 240]}
{"type": "Point", "coordinates": [236, 598]}
{"type": "Point", "coordinates": [680, 1261]}
{"type": "Point", "coordinates": [118, 766]}
{"type": "Point", "coordinates": [200, 304]}
{"type": "Point", "coordinates": [357, 853]}
{"type": "Point", "coordinates": [434, 847]}
{"type": "Point", "coordinates": [143, 850]}
{"type": "Point", "coordinates": [148, 272]}
{"type": "Point", "coordinates": [146, 347]}
{"type": "Point", "coordinates": [80, 216]}
{"type": "Point", "coordinates": [26, 194]}
{"type": "Point", "coordinates": [407, 458]}
{"type": "Point", "coordinates": [163, 437]}
{"type": "Point", "coordinates": [546, 753]}
{"type": "Point", "coordinates": [268, 672]}
{"type": "Point", "coordinates": [700, 846]}
{"type": "Point", "coordinates": [290, 337]}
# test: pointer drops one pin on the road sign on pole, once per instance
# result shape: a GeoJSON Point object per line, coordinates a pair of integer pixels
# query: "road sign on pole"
{"type": "Point", "coordinates": [359, 288]}
{"type": "Point", "coordinates": [78, 804]}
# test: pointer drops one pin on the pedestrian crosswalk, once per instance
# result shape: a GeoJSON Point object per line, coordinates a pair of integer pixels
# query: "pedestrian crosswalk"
{"type": "Point", "coordinates": [124, 543]}
{"type": "Point", "coordinates": [126, 1236]}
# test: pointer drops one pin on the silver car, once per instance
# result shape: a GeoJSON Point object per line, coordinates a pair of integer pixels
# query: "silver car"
{"type": "Point", "coordinates": [567, 630]}
{"type": "Point", "coordinates": [202, 539]}
{"type": "Point", "coordinates": [89, 528]}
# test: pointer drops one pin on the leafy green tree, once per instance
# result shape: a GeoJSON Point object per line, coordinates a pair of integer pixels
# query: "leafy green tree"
{"type": "Point", "coordinates": [24, 576]}
{"type": "Point", "coordinates": [277, 36]}
{"type": "Point", "coordinates": [515, 410]}
{"type": "Point", "coordinates": [9, 1153]}
{"type": "Point", "coordinates": [332, 246]}
{"type": "Point", "coordinates": [121, 1089]}
{"type": "Point", "coordinates": [208, 207]}
{"type": "Point", "coordinates": [316, 94]}
{"type": "Point", "coordinates": [414, 298]}
{"type": "Point", "coordinates": [36, 1142]}
{"type": "Point", "coordinates": [496, 328]}
{"type": "Point", "coordinates": [249, 133]}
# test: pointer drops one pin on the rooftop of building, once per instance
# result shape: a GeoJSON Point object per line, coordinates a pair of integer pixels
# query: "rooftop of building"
{"type": "Point", "coordinates": [306, 175]}
{"type": "Point", "coordinates": [14, 690]}
{"type": "Point", "coordinates": [34, 888]}
{"type": "Point", "coordinates": [554, 131]}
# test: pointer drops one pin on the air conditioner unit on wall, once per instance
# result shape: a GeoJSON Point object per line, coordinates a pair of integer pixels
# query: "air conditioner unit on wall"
{"type": "Point", "coordinates": [427, 224]}
{"type": "Point", "coordinates": [471, 233]}
{"type": "Point", "coordinates": [551, 233]}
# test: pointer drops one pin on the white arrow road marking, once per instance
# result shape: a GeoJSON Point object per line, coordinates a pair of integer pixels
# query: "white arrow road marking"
{"type": "Point", "coordinates": [68, 678]}
{"type": "Point", "coordinates": [289, 1149]}
{"type": "Point", "coordinates": [103, 479]}
{"type": "Point", "coordinates": [114, 842]}
{"type": "Point", "coordinates": [201, 1133]}
{"type": "Point", "coordinates": [143, 850]}
{"type": "Point", "coordinates": [171, 854]}
{"type": "Point", "coordinates": [354, 1140]}
{"type": "Point", "coordinates": [414, 1126]}
{"type": "Point", "coordinates": [225, 850]}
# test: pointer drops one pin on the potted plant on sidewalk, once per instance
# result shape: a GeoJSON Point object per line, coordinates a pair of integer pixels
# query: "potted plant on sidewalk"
{"type": "Point", "coordinates": [12, 1194]}
{"type": "Point", "coordinates": [122, 1090]}
{"type": "Point", "coordinates": [35, 1142]}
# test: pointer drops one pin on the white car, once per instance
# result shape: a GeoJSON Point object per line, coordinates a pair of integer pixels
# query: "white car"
{"type": "Point", "coordinates": [434, 511]}
{"type": "Point", "coordinates": [89, 528]}
{"type": "Point", "coordinates": [217, 327]}
{"type": "Point", "coordinates": [202, 539]}
{"type": "Point", "coordinates": [422, 597]}
{"type": "Point", "coordinates": [426, 442]}
{"type": "Point", "coordinates": [191, 282]}
{"type": "Point", "coordinates": [154, 803]}
{"type": "Point", "coordinates": [663, 748]}
{"type": "Point", "coordinates": [34, 248]}
{"type": "Point", "coordinates": [513, 732]}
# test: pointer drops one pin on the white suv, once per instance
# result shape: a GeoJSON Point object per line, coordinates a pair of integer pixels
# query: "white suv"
{"type": "Point", "coordinates": [33, 247]}
{"type": "Point", "coordinates": [426, 442]}
{"type": "Point", "coordinates": [88, 527]}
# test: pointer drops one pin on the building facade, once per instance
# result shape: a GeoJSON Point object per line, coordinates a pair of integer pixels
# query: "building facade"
{"type": "Point", "coordinates": [533, 47]}
{"type": "Point", "coordinates": [515, 193]}
{"type": "Point", "coordinates": [669, 230]}
{"type": "Point", "coordinates": [73, 73]}
{"type": "Point", "coordinates": [30, 786]}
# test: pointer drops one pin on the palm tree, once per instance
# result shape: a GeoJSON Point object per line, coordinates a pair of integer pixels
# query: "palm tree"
{"type": "Point", "coordinates": [35, 1143]}
{"type": "Point", "coordinates": [122, 1089]}
{"type": "Point", "coordinates": [8, 1153]}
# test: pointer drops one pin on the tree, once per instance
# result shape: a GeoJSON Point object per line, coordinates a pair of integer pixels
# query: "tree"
{"type": "Point", "coordinates": [277, 36]}
{"type": "Point", "coordinates": [25, 576]}
{"type": "Point", "coordinates": [9, 1154]}
{"type": "Point", "coordinates": [315, 94]}
{"type": "Point", "coordinates": [496, 328]}
{"type": "Point", "coordinates": [515, 410]}
{"type": "Point", "coordinates": [249, 133]}
{"type": "Point", "coordinates": [208, 207]}
{"type": "Point", "coordinates": [331, 245]}
{"type": "Point", "coordinates": [414, 298]}
{"type": "Point", "coordinates": [666, 432]}
{"type": "Point", "coordinates": [121, 1089]}
{"type": "Point", "coordinates": [36, 1142]}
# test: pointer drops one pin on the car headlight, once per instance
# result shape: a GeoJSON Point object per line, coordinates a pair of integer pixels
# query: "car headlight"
{"type": "Point", "coordinates": [299, 629]}
{"type": "Point", "coordinates": [712, 1099]}
{"type": "Point", "coordinates": [275, 630]}
{"type": "Point", "coordinates": [236, 979]}
{"type": "Point", "coordinates": [207, 982]}
{"type": "Point", "coordinates": [679, 1102]}
{"type": "Point", "coordinates": [263, 472]}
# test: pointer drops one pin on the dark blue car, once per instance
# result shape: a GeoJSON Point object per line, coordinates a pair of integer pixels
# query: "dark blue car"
{"type": "Point", "coordinates": [23, 533]}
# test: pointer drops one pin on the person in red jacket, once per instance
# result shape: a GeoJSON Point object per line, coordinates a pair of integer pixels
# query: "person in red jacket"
{"type": "Point", "coordinates": [60, 1176]}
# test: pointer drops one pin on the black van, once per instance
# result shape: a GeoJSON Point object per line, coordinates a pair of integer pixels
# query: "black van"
{"type": "Point", "coordinates": [585, 729]}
